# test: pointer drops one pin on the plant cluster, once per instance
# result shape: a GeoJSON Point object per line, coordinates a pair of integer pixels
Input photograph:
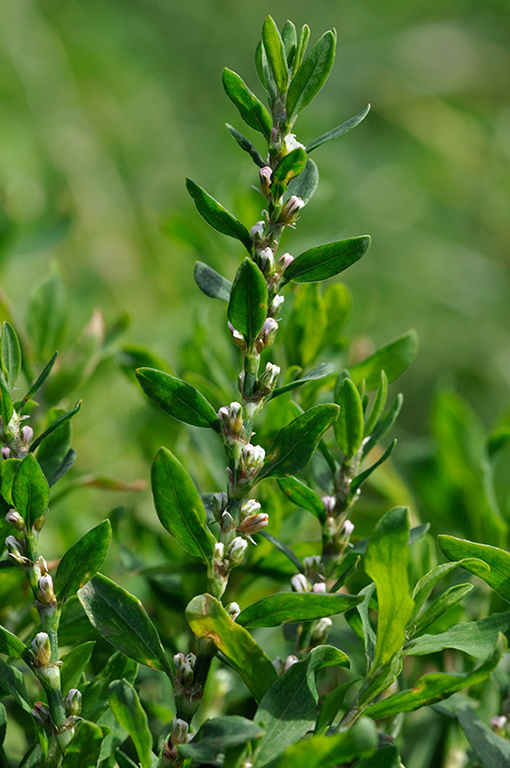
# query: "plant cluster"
{"type": "Point", "coordinates": [301, 441]}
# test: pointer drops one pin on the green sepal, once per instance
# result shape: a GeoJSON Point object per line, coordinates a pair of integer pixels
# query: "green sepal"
{"type": "Point", "coordinates": [393, 359]}
{"type": "Point", "coordinates": [122, 620]}
{"type": "Point", "coordinates": [55, 425]}
{"type": "Point", "coordinates": [289, 167]}
{"type": "Point", "coordinates": [296, 443]}
{"type": "Point", "coordinates": [209, 619]}
{"type": "Point", "coordinates": [386, 564]}
{"type": "Point", "coordinates": [275, 53]}
{"type": "Point", "coordinates": [311, 75]}
{"type": "Point", "coordinates": [303, 496]}
{"type": "Point", "coordinates": [218, 735]}
{"type": "Point", "coordinates": [177, 398]}
{"type": "Point", "coordinates": [294, 606]}
{"type": "Point", "coordinates": [30, 490]}
{"type": "Point", "coordinates": [435, 687]}
{"type": "Point", "coordinates": [82, 561]}
{"type": "Point", "coordinates": [289, 708]}
{"type": "Point", "coordinates": [498, 560]}
{"type": "Point", "coordinates": [11, 355]}
{"type": "Point", "coordinates": [247, 308]}
{"type": "Point", "coordinates": [250, 108]}
{"type": "Point", "coordinates": [348, 125]}
{"type": "Point", "coordinates": [217, 216]}
{"type": "Point", "coordinates": [179, 506]}
{"type": "Point", "coordinates": [246, 145]}
{"type": "Point", "coordinates": [349, 425]}
{"type": "Point", "coordinates": [128, 710]}
{"type": "Point", "coordinates": [324, 261]}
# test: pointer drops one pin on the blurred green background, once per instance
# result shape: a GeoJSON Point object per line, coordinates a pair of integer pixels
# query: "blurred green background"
{"type": "Point", "coordinates": [108, 104]}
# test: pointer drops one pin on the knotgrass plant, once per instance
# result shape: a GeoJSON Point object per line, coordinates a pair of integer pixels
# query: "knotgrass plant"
{"type": "Point", "coordinates": [295, 436]}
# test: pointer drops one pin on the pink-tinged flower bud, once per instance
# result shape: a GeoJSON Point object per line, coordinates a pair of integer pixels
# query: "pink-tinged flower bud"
{"type": "Point", "coordinates": [267, 335]}
{"type": "Point", "coordinates": [347, 529]}
{"type": "Point", "coordinates": [268, 380]}
{"type": "Point", "coordinates": [16, 550]}
{"type": "Point", "coordinates": [284, 261]}
{"type": "Point", "coordinates": [252, 459]}
{"type": "Point", "coordinates": [498, 723]}
{"type": "Point", "coordinates": [319, 588]}
{"type": "Point", "coordinates": [290, 210]}
{"type": "Point", "coordinates": [265, 178]}
{"type": "Point", "coordinates": [45, 593]}
{"type": "Point", "coordinates": [266, 260]}
{"type": "Point", "coordinates": [179, 733]}
{"type": "Point", "coordinates": [300, 583]}
{"type": "Point", "coordinates": [41, 713]}
{"type": "Point", "coordinates": [6, 452]}
{"type": "Point", "coordinates": [233, 610]}
{"type": "Point", "coordinates": [258, 232]}
{"type": "Point", "coordinates": [27, 434]}
{"type": "Point", "coordinates": [15, 518]}
{"type": "Point", "coordinates": [276, 305]}
{"type": "Point", "coordinates": [236, 551]}
{"type": "Point", "coordinates": [329, 504]}
{"type": "Point", "coordinates": [253, 523]}
{"type": "Point", "coordinates": [320, 631]}
{"type": "Point", "coordinates": [289, 662]}
{"type": "Point", "coordinates": [184, 668]}
{"type": "Point", "coordinates": [41, 649]}
{"type": "Point", "coordinates": [312, 563]}
{"type": "Point", "coordinates": [72, 703]}
{"type": "Point", "coordinates": [237, 337]}
{"type": "Point", "coordinates": [251, 507]}
{"type": "Point", "coordinates": [231, 418]}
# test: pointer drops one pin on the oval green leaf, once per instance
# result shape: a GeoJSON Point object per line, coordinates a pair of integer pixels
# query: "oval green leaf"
{"type": "Point", "coordinates": [311, 75]}
{"type": "Point", "coordinates": [303, 496]}
{"type": "Point", "coordinates": [250, 108]}
{"type": "Point", "coordinates": [82, 561]}
{"type": "Point", "coordinates": [247, 309]}
{"type": "Point", "coordinates": [217, 216]}
{"type": "Point", "coordinates": [177, 398]}
{"type": "Point", "coordinates": [289, 167]}
{"type": "Point", "coordinates": [179, 506]}
{"type": "Point", "coordinates": [275, 53]}
{"type": "Point", "coordinates": [128, 710]}
{"type": "Point", "coordinates": [11, 355]}
{"type": "Point", "coordinates": [393, 359]}
{"type": "Point", "coordinates": [498, 577]}
{"type": "Point", "coordinates": [350, 423]}
{"type": "Point", "coordinates": [30, 490]}
{"type": "Point", "coordinates": [293, 606]}
{"type": "Point", "coordinates": [211, 282]}
{"type": "Point", "coordinates": [296, 443]}
{"type": "Point", "coordinates": [327, 260]}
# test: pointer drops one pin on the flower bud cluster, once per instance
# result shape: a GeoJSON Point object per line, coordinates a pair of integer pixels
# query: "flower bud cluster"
{"type": "Point", "coordinates": [337, 528]}
{"type": "Point", "coordinates": [179, 734]}
{"type": "Point", "coordinates": [290, 211]}
{"type": "Point", "coordinates": [251, 461]}
{"type": "Point", "coordinates": [252, 519]}
{"type": "Point", "coordinates": [41, 714]}
{"type": "Point", "coordinates": [300, 583]}
{"type": "Point", "coordinates": [237, 337]}
{"type": "Point", "coordinates": [267, 381]}
{"type": "Point", "coordinates": [184, 672]}
{"type": "Point", "coordinates": [320, 631]}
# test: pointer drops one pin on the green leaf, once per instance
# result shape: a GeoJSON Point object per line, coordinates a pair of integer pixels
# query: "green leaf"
{"type": "Point", "coordinates": [128, 710]}
{"type": "Point", "coordinates": [85, 747]}
{"type": "Point", "coordinates": [304, 333]}
{"type": "Point", "coordinates": [296, 443]}
{"type": "Point", "coordinates": [75, 663]}
{"type": "Point", "coordinates": [339, 130]}
{"type": "Point", "coordinates": [477, 638]}
{"type": "Point", "coordinates": [497, 559]}
{"type": "Point", "coordinates": [55, 447]}
{"type": "Point", "coordinates": [47, 315]}
{"type": "Point", "coordinates": [303, 496]}
{"type": "Point", "coordinates": [289, 38]}
{"type": "Point", "coordinates": [386, 564]}
{"type": "Point", "coordinates": [179, 506]}
{"type": "Point", "coordinates": [6, 404]}
{"type": "Point", "coordinates": [211, 282]}
{"type": "Point", "coordinates": [427, 583]}
{"type": "Point", "coordinates": [449, 598]}
{"type": "Point", "coordinates": [11, 645]}
{"type": "Point", "coordinates": [319, 372]}
{"type": "Point", "coordinates": [133, 356]}
{"type": "Point", "coordinates": [95, 695]}
{"type": "Point", "coordinates": [122, 620]}
{"type": "Point", "coordinates": [360, 479]}
{"type": "Point", "coordinates": [491, 750]}
{"type": "Point", "coordinates": [393, 359]}
{"type": "Point", "coordinates": [218, 735]}
{"type": "Point", "coordinates": [217, 216]}
{"type": "Point", "coordinates": [384, 425]}
{"type": "Point", "coordinates": [311, 75]}
{"type": "Point", "coordinates": [287, 551]}
{"type": "Point", "coordinates": [327, 260]}
{"type": "Point", "coordinates": [250, 108]}
{"type": "Point", "coordinates": [38, 382]}
{"type": "Point", "coordinates": [302, 44]}
{"type": "Point", "coordinates": [435, 687]}
{"type": "Point", "coordinates": [304, 185]}
{"type": "Point", "coordinates": [294, 606]}
{"type": "Point", "coordinates": [385, 757]}
{"type": "Point", "coordinates": [289, 708]}
{"type": "Point", "coordinates": [349, 425]}
{"type": "Point", "coordinates": [30, 490]}
{"type": "Point", "coordinates": [176, 397]}
{"type": "Point", "coordinates": [247, 145]}
{"type": "Point", "coordinates": [55, 425]}
{"type": "Point", "coordinates": [12, 682]}
{"type": "Point", "coordinates": [8, 469]}
{"type": "Point", "coordinates": [247, 309]}
{"type": "Point", "coordinates": [275, 53]}
{"type": "Point", "coordinates": [3, 724]}
{"type": "Point", "coordinates": [378, 406]}
{"type": "Point", "coordinates": [63, 468]}
{"type": "Point", "coordinates": [82, 561]}
{"type": "Point", "coordinates": [330, 707]}
{"type": "Point", "coordinates": [330, 751]}
{"type": "Point", "coordinates": [208, 619]}
{"type": "Point", "coordinates": [264, 72]}
{"type": "Point", "coordinates": [11, 355]}
{"type": "Point", "coordinates": [289, 167]}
